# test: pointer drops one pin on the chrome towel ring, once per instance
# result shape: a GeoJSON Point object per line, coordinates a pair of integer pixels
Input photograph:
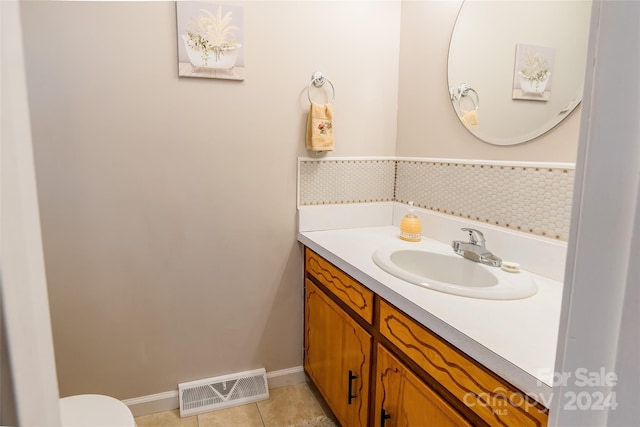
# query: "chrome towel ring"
{"type": "Point", "coordinates": [318, 80]}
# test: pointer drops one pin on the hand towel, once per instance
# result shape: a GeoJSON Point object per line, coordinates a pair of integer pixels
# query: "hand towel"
{"type": "Point", "coordinates": [320, 128]}
{"type": "Point", "coordinates": [470, 118]}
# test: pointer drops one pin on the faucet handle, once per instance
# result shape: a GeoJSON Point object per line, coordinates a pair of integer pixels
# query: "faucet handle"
{"type": "Point", "coordinates": [475, 236]}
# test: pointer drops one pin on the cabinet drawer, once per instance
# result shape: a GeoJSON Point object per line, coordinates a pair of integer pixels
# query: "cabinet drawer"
{"type": "Point", "coordinates": [352, 293]}
{"type": "Point", "coordinates": [496, 402]}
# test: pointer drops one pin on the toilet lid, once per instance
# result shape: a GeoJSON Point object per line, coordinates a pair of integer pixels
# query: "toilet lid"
{"type": "Point", "coordinates": [94, 410]}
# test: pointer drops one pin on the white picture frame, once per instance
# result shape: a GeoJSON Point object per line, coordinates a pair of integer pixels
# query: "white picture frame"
{"type": "Point", "coordinates": [533, 72]}
{"type": "Point", "coordinates": [210, 40]}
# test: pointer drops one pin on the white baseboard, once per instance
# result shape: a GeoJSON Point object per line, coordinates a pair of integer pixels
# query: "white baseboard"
{"type": "Point", "coordinates": [285, 377]}
{"type": "Point", "coordinates": [147, 405]}
{"type": "Point", "coordinates": [168, 400]}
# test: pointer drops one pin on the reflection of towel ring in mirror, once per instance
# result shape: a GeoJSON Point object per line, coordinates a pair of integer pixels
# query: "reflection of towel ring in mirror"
{"type": "Point", "coordinates": [464, 92]}
{"type": "Point", "coordinates": [318, 80]}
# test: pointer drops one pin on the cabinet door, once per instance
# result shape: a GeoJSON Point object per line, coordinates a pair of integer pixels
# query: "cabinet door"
{"type": "Point", "coordinates": [337, 357]}
{"type": "Point", "coordinates": [402, 399]}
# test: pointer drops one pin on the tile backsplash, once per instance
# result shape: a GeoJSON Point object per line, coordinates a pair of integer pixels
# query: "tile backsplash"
{"type": "Point", "coordinates": [326, 182]}
{"type": "Point", "coordinates": [529, 197]}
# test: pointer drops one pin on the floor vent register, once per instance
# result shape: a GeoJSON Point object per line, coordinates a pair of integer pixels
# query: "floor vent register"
{"type": "Point", "coordinates": [210, 394]}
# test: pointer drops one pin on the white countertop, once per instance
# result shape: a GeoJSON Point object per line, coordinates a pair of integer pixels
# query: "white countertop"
{"type": "Point", "coordinates": [515, 339]}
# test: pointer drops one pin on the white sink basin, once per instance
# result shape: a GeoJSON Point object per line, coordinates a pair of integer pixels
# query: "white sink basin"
{"type": "Point", "coordinates": [453, 274]}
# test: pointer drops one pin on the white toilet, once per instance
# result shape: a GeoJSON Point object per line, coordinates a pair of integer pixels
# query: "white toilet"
{"type": "Point", "coordinates": [94, 410]}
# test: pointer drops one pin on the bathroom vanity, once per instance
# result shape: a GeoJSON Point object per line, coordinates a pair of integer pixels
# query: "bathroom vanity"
{"type": "Point", "coordinates": [385, 352]}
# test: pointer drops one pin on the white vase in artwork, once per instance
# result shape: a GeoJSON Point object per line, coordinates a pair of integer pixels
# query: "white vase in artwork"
{"type": "Point", "coordinates": [534, 86]}
{"type": "Point", "coordinates": [223, 58]}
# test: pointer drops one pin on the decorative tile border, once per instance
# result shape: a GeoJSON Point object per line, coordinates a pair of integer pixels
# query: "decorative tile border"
{"type": "Point", "coordinates": [526, 198]}
{"type": "Point", "coordinates": [530, 197]}
{"type": "Point", "coordinates": [325, 182]}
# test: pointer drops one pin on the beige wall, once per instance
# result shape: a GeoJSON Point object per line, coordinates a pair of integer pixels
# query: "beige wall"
{"type": "Point", "coordinates": [167, 204]}
{"type": "Point", "coordinates": [427, 124]}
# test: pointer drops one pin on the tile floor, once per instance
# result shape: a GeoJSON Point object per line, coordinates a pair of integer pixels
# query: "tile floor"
{"type": "Point", "coordinates": [291, 406]}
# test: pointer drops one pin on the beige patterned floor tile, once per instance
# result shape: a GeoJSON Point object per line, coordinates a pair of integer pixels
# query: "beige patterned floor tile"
{"type": "Point", "coordinates": [166, 419]}
{"type": "Point", "coordinates": [245, 416]}
{"type": "Point", "coordinates": [323, 405]}
{"type": "Point", "coordinates": [289, 405]}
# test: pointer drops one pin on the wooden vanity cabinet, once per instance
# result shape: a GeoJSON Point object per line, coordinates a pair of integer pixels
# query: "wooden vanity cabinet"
{"type": "Point", "coordinates": [402, 399]}
{"type": "Point", "coordinates": [413, 378]}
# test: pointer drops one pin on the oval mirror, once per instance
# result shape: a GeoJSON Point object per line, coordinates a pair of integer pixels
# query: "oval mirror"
{"type": "Point", "coordinates": [516, 68]}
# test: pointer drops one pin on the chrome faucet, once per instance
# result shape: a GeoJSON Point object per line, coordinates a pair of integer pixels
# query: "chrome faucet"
{"type": "Point", "coordinates": [474, 249]}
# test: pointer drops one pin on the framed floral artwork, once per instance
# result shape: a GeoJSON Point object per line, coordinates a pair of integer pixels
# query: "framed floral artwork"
{"type": "Point", "coordinates": [210, 40]}
{"type": "Point", "coordinates": [533, 72]}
